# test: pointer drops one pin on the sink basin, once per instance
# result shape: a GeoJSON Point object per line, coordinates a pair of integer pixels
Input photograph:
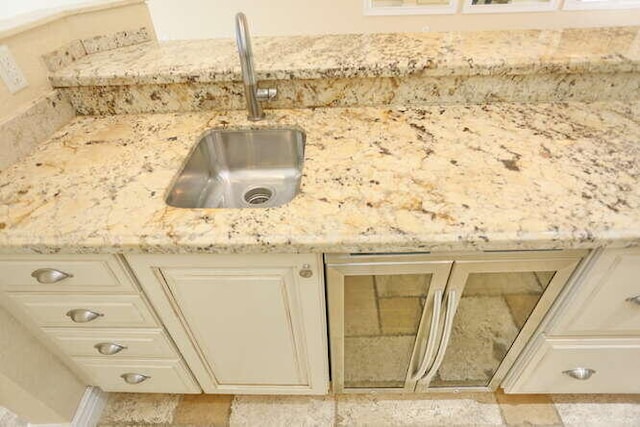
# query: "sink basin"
{"type": "Point", "coordinates": [241, 169]}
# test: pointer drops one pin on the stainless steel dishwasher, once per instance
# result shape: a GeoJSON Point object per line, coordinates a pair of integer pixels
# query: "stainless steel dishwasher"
{"type": "Point", "coordinates": [423, 322]}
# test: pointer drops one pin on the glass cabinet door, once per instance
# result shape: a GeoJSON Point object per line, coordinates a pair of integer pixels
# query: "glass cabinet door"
{"type": "Point", "coordinates": [495, 299]}
{"type": "Point", "coordinates": [377, 310]}
{"type": "Point", "coordinates": [427, 323]}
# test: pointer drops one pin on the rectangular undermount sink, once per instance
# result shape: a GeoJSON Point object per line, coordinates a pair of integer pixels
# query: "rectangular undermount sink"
{"type": "Point", "coordinates": [248, 168]}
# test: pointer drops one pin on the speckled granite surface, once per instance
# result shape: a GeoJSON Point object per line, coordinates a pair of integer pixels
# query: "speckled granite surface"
{"type": "Point", "coordinates": [377, 91]}
{"type": "Point", "coordinates": [498, 176]}
{"type": "Point", "coordinates": [362, 70]}
{"type": "Point", "coordinates": [20, 134]}
{"type": "Point", "coordinates": [76, 49]}
{"type": "Point", "coordinates": [372, 55]}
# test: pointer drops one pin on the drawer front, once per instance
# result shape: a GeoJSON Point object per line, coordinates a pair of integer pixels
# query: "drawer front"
{"type": "Point", "coordinates": [115, 310]}
{"type": "Point", "coordinates": [610, 301]}
{"type": "Point", "coordinates": [100, 273]}
{"type": "Point", "coordinates": [613, 361]}
{"type": "Point", "coordinates": [117, 343]}
{"type": "Point", "coordinates": [164, 376]}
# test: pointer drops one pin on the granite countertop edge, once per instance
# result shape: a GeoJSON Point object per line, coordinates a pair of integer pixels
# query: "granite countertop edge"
{"type": "Point", "coordinates": [398, 55]}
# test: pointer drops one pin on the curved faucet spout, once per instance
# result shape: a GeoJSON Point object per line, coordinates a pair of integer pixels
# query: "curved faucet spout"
{"type": "Point", "coordinates": [252, 94]}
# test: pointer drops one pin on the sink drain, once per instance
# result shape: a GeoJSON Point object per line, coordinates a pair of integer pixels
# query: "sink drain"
{"type": "Point", "coordinates": [258, 196]}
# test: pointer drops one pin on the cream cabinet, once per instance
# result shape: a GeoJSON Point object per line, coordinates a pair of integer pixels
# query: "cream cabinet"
{"type": "Point", "coordinates": [591, 344]}
{"type": "Point", "coordinates": [245, 324]}
{"type": "Point", "coordinates": [90, 311]}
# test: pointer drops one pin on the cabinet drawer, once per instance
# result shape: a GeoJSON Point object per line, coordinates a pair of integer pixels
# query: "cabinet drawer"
{"type": "Point", "coordinates": [613, 360]}
{"type": "Point", "coordinates": [64, 273]}
{"type": "Point", "coordinates": [164, 376]}
{"type": "Point", "coordinates": [115, 310]}
{"type": "Point", "coordinates": [140, 343]}
{"type": "Point", "coordinates": [607, 303]}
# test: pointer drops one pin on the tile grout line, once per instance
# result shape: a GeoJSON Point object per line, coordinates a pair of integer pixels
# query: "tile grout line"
{"type": "Point", "coordinates": [175, 409]}
{"type": "Point", "coordinates": [555, 409]}
{"type": "Point", "coordinates": [504, 419]}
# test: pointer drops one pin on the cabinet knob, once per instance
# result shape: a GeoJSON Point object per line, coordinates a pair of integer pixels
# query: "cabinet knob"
{"type": "Point", "coordinates": [635, 300]}
{"type": "Point", "coordinates": [306, 271]}
{"type": "Point", "coordinates": [133, 378]}
{"type": "Point", "coordinates": [109, 348]}
{"type": "Point", "coordinates": [580, 373]}
{"type": "Point", "coordinates": [81, 315]}
{"type": "Point", "coordinates": [50, 275]}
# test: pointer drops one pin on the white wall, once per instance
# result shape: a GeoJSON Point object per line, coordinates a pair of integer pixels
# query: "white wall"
{"type": "Point", "coordinates": [34, 383]}
{"type": "Point", "coordinates": [12, 8]}
{"type": "Point", "coordinates": [194, 19]}
{"type": "Point", "coordinates": [9, 9]}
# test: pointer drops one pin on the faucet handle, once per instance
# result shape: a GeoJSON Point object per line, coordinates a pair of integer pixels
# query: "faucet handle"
{"type": "Point", "coordinates": [266, 94]}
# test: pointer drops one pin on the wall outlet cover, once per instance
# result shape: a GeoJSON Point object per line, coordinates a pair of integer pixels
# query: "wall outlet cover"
{"type": "Point", "coordinates": [10, 72]}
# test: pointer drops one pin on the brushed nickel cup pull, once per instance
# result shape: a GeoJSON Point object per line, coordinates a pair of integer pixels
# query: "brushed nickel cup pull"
{"type": "Point", "coordinates": [50, 275]}
{"type": "Point", "coordinates": [306, 271]}
{"type": "Point", "coordinates": [635, 300]}
{"type": "Point", "coordinates": [133, 378]}
{"type": "Point", "coordinates": [582, 374]}
{"type": "Point", "coordinates": [81, 315]}
{"type": "Point", "coordinates": [109, 348]}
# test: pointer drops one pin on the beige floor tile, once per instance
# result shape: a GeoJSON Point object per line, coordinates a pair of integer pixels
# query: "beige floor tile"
{"type": "Point", "coordinates": [360, 309]}
{"type": "Point", "coordinates": [528, 409]}
{"type": "Point", "coordinates": [141, 408]}
{"type": "Point", "coordinates": [418, 410]}
{"type": "Point", "coordinates": [9, 419]}
{"type": "Point", "coordinates": [211, 410]}
{"type": "Point", "coordinates": [399, 315]}
{"type": "Point", "coordinates": [598, 410]}
{"type": "Point", "coordinates": [403, 285]}
{"type": "Point", "coordinates": [496, 284]}
{"type": "Point", "coordinates": [483, 331]}
{"type": "Point", "coordinates": [377, 361]}
{"type": "Point", "coordinates": [277, 411]}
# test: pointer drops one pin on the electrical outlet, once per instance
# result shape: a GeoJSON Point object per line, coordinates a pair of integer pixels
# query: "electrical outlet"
{"type": "Point", "coordinates": [10, 72]}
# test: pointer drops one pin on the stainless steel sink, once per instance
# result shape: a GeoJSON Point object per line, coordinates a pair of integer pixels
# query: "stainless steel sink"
{"type": "Point", "coordinates": [241, 169]}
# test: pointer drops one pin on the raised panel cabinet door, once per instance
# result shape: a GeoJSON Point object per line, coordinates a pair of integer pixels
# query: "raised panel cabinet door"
{"type": "Point", "coordinates": [65, 273]}
{"type": "Point", "coordinates": [110, 310]}
{"type": "Point", "coordinates": [245, 324]}
{"type": "Point", "coordinates": [608, 301]}
{"type": "Point", "coordinates": [113, 342]}
{"type": "Point", "coordinates": [581, 365]}
{"type": "Point", "coordinates": [139, 375]}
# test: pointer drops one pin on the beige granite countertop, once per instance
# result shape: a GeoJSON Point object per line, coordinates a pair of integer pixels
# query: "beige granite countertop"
{"type": "Point", "coordinates": [436, 178]}
{"type": "Point", "coordinates": [593, 50]}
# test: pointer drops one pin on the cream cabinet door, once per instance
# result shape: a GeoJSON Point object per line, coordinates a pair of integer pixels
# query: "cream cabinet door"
{"type": "Point", "coordinates": [245, 324]}
{"type": "Point", "coordinates": [607, 302]}
{"type": "Point", "coordinates": [580, 365]}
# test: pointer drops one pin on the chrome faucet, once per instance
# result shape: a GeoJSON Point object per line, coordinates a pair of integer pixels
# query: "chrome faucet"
{"type": "Point", "coordinates": [251, 91]}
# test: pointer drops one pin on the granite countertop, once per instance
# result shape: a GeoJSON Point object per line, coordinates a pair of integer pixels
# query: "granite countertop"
{"type": "Point", "coordinates": [436, 178]}
{"type": "Point", "coordinates": [593, 50]}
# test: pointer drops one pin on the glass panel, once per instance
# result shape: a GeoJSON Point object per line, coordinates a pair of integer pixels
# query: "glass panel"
{"type": "Point", "coordinates": [493, 309]}
{"type": "Point", "coordinates": [381, 318]}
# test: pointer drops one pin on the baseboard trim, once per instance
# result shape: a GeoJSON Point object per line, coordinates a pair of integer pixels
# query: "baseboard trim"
{"type": "Point", "coordinates": [90, 408]}
{"type": "Point", "coordinates": [88, 412]}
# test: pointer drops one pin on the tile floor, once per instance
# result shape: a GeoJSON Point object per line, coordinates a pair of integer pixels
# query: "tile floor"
{"type": "Point", "coordinates": [462, 409]}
